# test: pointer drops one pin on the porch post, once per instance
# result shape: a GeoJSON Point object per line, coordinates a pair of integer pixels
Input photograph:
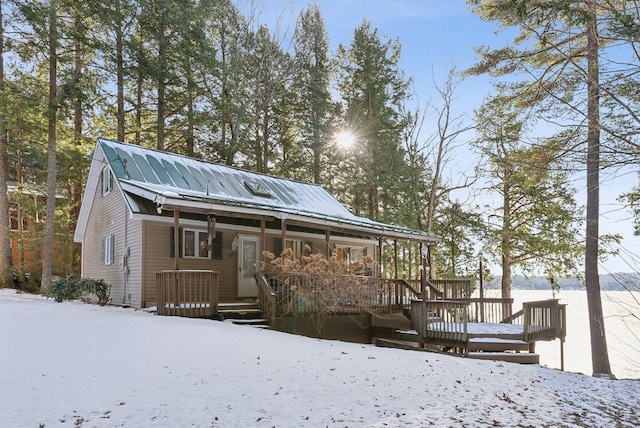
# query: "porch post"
{"type": "Point", "coordinates": [263, 228]}
{"type": "Point", "coordinates": [395, 257]}
{"type": "Point", "coordinates": [410, 261]}
{"type": "Point", "coordinates": [423, 273]}
{"type": "Point", "coordinates": [283, 231]}
{"type": "Point", "coordinates": [176, 237]}
{"type": "Point", "coordinates": [327, 238]}
{"type": "Point", "coordinates": [380, 256]}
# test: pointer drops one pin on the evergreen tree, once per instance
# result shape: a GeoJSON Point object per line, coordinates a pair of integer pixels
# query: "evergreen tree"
{"type": "Point", "coordinates": [311, 85]}
{"type": "Point", "coordinates": [373, 90]}
{"type": "Point", "coordinates": [559, 49]}
{"type": "Point", "coordinates": [268, 108]}
{"type": "Point", "coordinates": [5, 226]}
{"type": "Point", "coordinates": [536, 225]}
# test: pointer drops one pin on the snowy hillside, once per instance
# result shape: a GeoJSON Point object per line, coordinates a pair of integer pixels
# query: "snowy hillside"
{"type": "Point", "coordinates": [72, 364]}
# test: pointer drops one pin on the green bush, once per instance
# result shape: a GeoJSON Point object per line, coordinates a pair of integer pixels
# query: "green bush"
{"type": "Point", "coordinates": [72, 288]}
{"type": "Point", "coordinates": [101, 289]}
{"type": "Point", "coordinates": [69, 288]}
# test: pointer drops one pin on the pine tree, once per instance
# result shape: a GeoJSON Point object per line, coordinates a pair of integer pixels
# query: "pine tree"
{"type": "Point", "coordinates": [536, 225]}
{"type": "Point", "coordinates": [5, 226]}
{"type": "Point", "coordinates": [373, 89]}
{"type": "Point", "coordinates": [311, 85]}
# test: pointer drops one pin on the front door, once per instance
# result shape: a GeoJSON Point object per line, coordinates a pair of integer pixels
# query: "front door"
{"type": "Point", "coordinates": [248, 265]}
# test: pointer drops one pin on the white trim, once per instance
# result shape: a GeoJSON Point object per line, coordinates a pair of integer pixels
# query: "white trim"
{"type": "Point", "coordinates": [106, 182]}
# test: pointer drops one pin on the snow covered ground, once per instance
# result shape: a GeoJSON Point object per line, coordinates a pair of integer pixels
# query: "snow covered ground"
{"type": "Point", "coordinates": [72, 364]}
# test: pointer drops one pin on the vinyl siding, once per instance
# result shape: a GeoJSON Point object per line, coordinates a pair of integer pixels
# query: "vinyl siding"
{"type": "Point", "coordinates": [109, 215]}
{"type": "Point", "coordinates": [157, 250]}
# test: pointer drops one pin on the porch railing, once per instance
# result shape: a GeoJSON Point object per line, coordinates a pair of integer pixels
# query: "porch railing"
{"type": "Point", "coordinates": [266, 298]}
{"type": "Point", "coordinates": [300, 294]}
{"type": "Point", "coordinates": [187, 293]}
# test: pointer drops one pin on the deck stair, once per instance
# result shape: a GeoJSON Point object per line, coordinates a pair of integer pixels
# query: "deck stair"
{"type": "Point", "coordinates": [242, 313]}
{"type": "Point", "coordinates": [497, 348]}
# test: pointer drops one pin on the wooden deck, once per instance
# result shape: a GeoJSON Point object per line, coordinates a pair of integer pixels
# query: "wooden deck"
{"type": "Point", "coordinates": [453, 325]}
{"type": "Point", "coordinates": [390, 310]}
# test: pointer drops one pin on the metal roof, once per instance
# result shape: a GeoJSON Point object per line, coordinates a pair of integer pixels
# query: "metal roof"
{"type": "Point", "coordinates": [161, 177]}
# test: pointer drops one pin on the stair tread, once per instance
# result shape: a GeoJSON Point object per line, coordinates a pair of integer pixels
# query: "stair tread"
{"type": "Point", "coordinates": [240, 310]}
{"type": "Point", "coordinates": [496, 340]}
{"type": "Point", "coordinates": [248, 321]}
{"type": "Point", "coordinates": [514, 357]}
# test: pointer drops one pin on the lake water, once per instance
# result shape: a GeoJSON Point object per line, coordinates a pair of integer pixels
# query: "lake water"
{"type": "Point", "coordinates": [623, 330]}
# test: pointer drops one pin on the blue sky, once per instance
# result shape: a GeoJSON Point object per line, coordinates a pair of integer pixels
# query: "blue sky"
{"type": "Point", "coordinates": [436, 35]}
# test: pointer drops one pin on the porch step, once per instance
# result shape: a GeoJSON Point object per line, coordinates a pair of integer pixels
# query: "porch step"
{"type": "Point", "coordinates": [239, 311]}
{"type": "Point", "coordinates": [496, 344]}
{"type": "Point", "coordinates": [254, 322]}
{"type": "Point", "coordinates": [398, 344]}
{"type": "Point", "coordinates": [511, 357]}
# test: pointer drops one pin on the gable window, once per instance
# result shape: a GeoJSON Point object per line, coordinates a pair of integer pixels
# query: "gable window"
{"type": "Point", "coordinates": [107, 181]}
{"type": "Point", "coordinates": [108, 249]}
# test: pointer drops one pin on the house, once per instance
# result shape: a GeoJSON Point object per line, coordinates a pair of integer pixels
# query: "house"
{"type": "Point", "coordinates": [146, 211]}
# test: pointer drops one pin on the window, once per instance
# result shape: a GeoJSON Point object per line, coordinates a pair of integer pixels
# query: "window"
{"type": "Point", "coordinates": [196, 244]}
{"type": "Point", "coordinates": [296, 246]}
{"type": "Point", "coordinates": [107, 181]}
{"type": "Point", "coordinates": [108, 249]}
{"type": "Point", "coordinates": [351, 254]}
{"type": "Point", "coordinates": [299, 248]}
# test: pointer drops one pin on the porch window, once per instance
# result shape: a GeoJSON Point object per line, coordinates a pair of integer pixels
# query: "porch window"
{"type": "Point", "coordinates": [108, 249]}
{"type": "Point", "coordinates": [107, 181]}
{"type": "Point", "coordinates": [351, 254]}
{"type": "Point", "coordinates": [297, 246]}
{"type": "Point", "coordinates": [196, 244]}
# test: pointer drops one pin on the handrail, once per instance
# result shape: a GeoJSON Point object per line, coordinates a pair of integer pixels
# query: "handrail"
{"type": "Point", "coordinates": [409, 287]}
{"type": "Point", "coordinates": [266, 298]}
{"type": "Point", "coordinates": [434, 290]}
{"type": "Point", "coordinates": [513, 317]}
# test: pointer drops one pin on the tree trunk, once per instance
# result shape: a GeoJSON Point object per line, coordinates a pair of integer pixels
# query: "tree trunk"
{"type": "Point", "coordinates": [47, 256]}
{"type": "Point", "coordinates": [76, 179]}
{"type": "Point", "coordinates": [120, 74]}
{"type": "Point", "coordinates": [5, 223]}
{"type": "Point", "coordinates": [506, 239]}
{"type": "Point", "coordinates": [163, 46]}
{"type": "Point", "coordinates": [599, 352]}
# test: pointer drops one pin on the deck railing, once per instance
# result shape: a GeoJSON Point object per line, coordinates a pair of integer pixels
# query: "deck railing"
{"type": "Point", "coordinates": [489, 310]}
{"type": "Point", "coordinates": [298, 293]}
{"type": "Point", "coordinates": [544, 320]}
{"type": "Point", "coordinates": [443, 288]}
{"type": "Point", "coordinates": [187, 293]}
{"type": "Point", "coordinates": [453, 288]}
{"type": "Point", "coordinates": [440, 321]}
